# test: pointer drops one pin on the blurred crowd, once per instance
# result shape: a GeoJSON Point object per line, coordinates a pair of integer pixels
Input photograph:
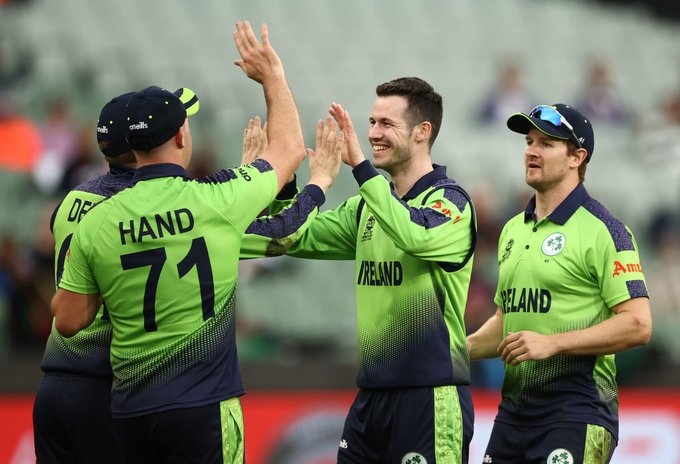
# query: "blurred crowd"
{"type": "Point", "coordinates": [43, 158]}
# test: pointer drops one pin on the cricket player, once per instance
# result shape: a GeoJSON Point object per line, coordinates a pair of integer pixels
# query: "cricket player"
{"type": "Point", "coordinates": [412, 240]}
{"type": "Point", "coordinates": [163, 257]}
{"type": "Point", "coordinates": [570, 294]}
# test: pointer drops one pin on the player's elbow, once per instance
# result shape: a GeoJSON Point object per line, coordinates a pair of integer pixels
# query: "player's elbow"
{"type": "Point", "coordinates": [65, 324]}
{"type": "Point", "coordinates": [645, 333]}
{"type": "Point", "coordinates": [66, 328]}
{"type": "Point", "coordinates": [642, 331]}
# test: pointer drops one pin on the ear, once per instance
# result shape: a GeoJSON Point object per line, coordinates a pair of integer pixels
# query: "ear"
{"type": "Point", "coordinates": [579, 157]}
{"type": "Point", "coordinates": [423, 131]}
{"type": "Point", "coordinates": [180, 136]}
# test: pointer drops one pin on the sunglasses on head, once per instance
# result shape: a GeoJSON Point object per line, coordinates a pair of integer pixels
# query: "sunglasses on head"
{"type": "Point", "coordinates": [551, 115]}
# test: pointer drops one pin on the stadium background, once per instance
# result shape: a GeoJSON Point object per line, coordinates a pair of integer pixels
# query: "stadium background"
{"type": "Point", "coordinates": [60, 61]}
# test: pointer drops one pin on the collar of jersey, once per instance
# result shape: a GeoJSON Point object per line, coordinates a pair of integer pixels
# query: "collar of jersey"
{"type": "Point", "coordinates": [425, 182]}
{"type": "Point", "coordinates": [567, 208]}
{"type": "Point", "coordinates": [154, 171]}
{"type": "Point", "coordinates": [121, 171]}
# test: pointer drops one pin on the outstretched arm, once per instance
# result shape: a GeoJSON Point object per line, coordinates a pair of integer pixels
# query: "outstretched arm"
{"type": "Point", "coordinates": [254, 146]}
{"type": "Point", "coordinates": [440, 230]}
{"type": "Point", "coordinates": [260, 63]}
{"type": "Point", "coordinates": [484, 342]}
{"type": "Point", "coordinates": [274, 235]}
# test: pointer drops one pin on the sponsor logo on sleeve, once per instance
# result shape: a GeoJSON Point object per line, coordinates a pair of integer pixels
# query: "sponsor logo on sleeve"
{"type": "Point", "coordinates": [621, 268]}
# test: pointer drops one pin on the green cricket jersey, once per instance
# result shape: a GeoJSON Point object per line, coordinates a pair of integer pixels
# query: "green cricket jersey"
{"type": "Point", "coordinates": [87, 352]}
{"type": "Point", "coordinates": [413, 263]}
{"type": "Point", "coordinates": [164, 254]}
{"type": "Point", "coordinates": [560, 274]}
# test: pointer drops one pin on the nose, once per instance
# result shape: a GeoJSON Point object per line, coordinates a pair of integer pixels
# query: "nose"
{"type": "Point", "coordinates": [530, 153]}
{"type": "Point", "coordinates": [374, 132]}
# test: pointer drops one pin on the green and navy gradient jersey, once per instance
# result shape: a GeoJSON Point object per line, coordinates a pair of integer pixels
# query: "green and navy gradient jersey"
{"type": "Point", "coordinates": [164, 254]}
{"type": "Point", "coordinates": [413, 264]}
{"type": "Point", "coordinates": [563, 273]}
{"type": "Point", "coordinates": [86, 353]}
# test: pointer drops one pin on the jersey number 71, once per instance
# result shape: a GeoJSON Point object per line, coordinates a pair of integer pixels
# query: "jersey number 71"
{"type": "Point", "coordinates": [156, 257]}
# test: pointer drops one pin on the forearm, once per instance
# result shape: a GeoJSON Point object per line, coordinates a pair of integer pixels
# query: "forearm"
{"type": "Point", "coordinates": [484, 342]}
{"type": "Point", "coordinates": [625, 330]}
{"type": "Point", "coordinates": [286, 144]}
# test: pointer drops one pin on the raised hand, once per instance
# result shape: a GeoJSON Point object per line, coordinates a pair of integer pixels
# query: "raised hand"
{"type": "Point", "coordinates": [254, 141]}
{"type": "Point", "coordinates": [352, 154]}
{"type": "Point", "coordinates": [259, 61]}
{"type": "Point", "coordinates": [324, 163]}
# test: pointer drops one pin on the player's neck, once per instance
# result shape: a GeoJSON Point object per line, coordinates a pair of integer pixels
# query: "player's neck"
{"type": "Point", "coordinates": [405, 177]}
{"type": "Point", "coordinates": [548, 200]}
{"type": "Point", "coordinates": [161, 156]}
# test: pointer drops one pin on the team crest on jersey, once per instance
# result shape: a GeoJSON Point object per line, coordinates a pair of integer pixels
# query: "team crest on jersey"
{"type": "Point", "coordinates": [554, 244]}
{"type": "Point", "coordinates": [413, 458]}
{"type": "Point", "coordinates": [506, 252]}
{"type": "Point", "coordinates": [368, 231]}
{"type": "Point", "coordinates": [560, 456]}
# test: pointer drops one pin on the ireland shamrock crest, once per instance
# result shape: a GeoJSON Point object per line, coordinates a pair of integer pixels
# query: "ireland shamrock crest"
{"type": "Point", "coordinates": [560, 456]}
{"type": "Point", "coordinates": [553, 244]}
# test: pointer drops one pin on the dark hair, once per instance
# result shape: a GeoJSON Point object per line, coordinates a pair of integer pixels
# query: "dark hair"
{"type": "Point", "coordinates": [423, 103]}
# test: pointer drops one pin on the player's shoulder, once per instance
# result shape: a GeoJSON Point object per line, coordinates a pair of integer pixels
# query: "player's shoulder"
{"type": "Point", "coordinates": [108, 184]}
{"type": "Point", "coordinates": [598, 221]}
{"type": "Point", "coordinates": [516, 221]}
{"type": "Point", "coordinates": [449, 189]}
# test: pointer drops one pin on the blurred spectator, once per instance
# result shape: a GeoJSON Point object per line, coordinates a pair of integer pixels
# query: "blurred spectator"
{"type": "Point", "coordinates": [599, 99]}
{"type": "Point", "coordinates": [663, 276]}
{"type": "Point", "coordinates": [85, 165]}
{"type": "Point", "coordinates": [60, 143]}
{"type": "Point", "coordinates": [509, 95]}
{"type": "Point", "coordinates": [21, 146]}
{"type": "Point", "coordinates": [27, 284]}
{"type": "Point", "coordinates": [15, 64]}
{"type": "Point", "coordinates": [658, 147]}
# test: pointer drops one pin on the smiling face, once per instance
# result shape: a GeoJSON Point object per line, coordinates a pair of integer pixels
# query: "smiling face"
{"type": "Point", "coordinates": [390, 133]}
{"type": "Point", "coordinates": [547, 161]}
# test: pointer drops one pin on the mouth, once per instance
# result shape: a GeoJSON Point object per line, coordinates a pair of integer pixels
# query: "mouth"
{"type": "Point", "coordinates": [378, 148]}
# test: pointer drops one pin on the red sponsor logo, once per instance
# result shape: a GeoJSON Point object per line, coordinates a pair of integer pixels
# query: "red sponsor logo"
{"type": "Point", "coordinates": [438, 205]}
{"type": "Point", "coordinates": [620, 268]}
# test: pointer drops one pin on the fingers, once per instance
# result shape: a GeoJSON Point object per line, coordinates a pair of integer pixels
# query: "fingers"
{"type": "Point", "coordinates": [246, 34]}
{"type": "Point", "coordinates": [245, 41]}
{"type": "Point", "coordinates": [337, 112]}
{"type": "Point", "coordinates": [265, 34]}
{"type": "Point", "coordinates": [330, 135]}
{"type": "Point", "coordinates": [319, 133]}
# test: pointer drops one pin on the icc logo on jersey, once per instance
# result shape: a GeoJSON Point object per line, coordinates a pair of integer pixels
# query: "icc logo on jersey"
{"type": "Point", "coordinates": [553, 244]}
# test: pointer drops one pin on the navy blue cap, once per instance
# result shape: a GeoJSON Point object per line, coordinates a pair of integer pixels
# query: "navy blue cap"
{"type": "Point", "coordinates": [582, 134]}
{"type": "Point", "coordinates": [154, 115]}
{"type": "Point", "coordinates": [111, 127]}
